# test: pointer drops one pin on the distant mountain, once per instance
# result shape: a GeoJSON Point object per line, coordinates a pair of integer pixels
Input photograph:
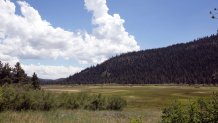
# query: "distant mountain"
{"type": "Point", "coordinates": [51, 81]}
{"type": "Point", "coordinates": [195, 62]}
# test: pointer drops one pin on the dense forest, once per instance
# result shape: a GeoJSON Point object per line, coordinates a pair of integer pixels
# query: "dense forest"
{"type": "Point", "coordinates": [194, 62]}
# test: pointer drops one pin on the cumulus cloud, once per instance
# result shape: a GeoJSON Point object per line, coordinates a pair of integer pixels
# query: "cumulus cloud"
{"type": "Point", "coordinates": [51, 72]}
{"type": "Point", "coordinates": [28, 36]}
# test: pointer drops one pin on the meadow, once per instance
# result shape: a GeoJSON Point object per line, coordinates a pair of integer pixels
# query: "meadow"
{"type": "Point", "coordinates": [144, 102]}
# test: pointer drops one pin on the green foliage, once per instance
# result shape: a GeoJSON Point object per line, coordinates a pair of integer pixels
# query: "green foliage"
{"type": "Point", "coordinates": [68, 101]}
{"type": "Point", "coordinates": [173, 114]}
{"type": "Point", "coordinates": [115, 103]}
{"type": "Point", "coordinates": [8, 97]}
{"type": "Point", "coordinates": [17, 75]}
{"type": "Point", "coordinates": [192, 116]}
{"type": "Point", "coordinates": [21, 97]}
{"type": "Point", "coordinates": [7, 80]}
{"type": "Point", "coordinates": [24, 98]}
{"type": "Point", "coordinates": [200, 111]}
{"type": "Point", "coordinates": [90, 102]}
{"type": "Point", "coordinates": [96, 102]}
{"type": "Point", "coordinates": [5, 74]}
{"type": "Point", "coordinates": [35, 81]}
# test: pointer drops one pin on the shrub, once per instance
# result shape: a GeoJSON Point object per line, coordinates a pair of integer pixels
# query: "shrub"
{"type": "Point", "coordinates": [115, 103]}
{"type": "Point", "coordinates": [82, 99]}
{"type": "Point", "coordinates": [68, 101]}
{"type": "Point", "coordinates": [13, 98]}
{"type": "Point", "coordinates": [8, 97]}
{"type": "Point", "coordinates": [48, 101]}
{"type": "Point", "coordinates": [26, 98]}
{"type": "Point", "coordinates": [91, 102]}
{"type": "Point", "coordinates": [200, 111]}
{"type": "Point", "coordinates": [173, 114]}
{"type": "Point", "coordinates": [1, 99]}
{"type": "Point", "coordinates": [96, 102]}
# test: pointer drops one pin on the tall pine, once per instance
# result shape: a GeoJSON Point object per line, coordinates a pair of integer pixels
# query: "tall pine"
{"type": "Point", "coordinates": [19, 74]}
{"type": "Point", "coordinates": [35, 81]}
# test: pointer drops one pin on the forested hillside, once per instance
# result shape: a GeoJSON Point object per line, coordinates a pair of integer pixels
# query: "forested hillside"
{"type": "Point", "coordinates": [189, 63]}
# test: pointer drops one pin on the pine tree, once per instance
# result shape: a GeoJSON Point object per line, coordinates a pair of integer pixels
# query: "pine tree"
{"type": "Point", "coordinates": [19, 74]}
{"type": "Point", "coordinates": [35, 81]}
{"type": "Point", "coordinates": [5, 74]}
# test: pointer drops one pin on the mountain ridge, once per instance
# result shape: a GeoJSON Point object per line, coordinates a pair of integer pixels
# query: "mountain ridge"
{"type": "Point", "coordinates": [193, 62]}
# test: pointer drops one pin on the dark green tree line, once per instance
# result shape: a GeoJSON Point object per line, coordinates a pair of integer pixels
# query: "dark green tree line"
{"type": "Point", "coordinates": [16, 75]}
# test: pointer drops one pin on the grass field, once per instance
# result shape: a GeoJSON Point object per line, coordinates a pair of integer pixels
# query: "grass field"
{"type": "Point", "coordinates": [142, 101]}
{"type": "Point", "coordinates": [142, 96]}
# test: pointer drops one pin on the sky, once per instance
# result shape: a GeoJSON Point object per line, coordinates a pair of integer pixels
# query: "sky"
{"type": "Point", "coordinates": [58, 38]}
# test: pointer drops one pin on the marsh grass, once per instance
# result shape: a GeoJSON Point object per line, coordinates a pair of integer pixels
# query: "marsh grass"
{"type": "Point", "coordinates": [141, 97]}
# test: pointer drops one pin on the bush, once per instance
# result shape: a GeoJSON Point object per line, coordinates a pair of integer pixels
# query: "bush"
{"type": "Point", "coordinates": [96, 102]}
{"type": "Point", "coordinates": [67, 101]}
{"type": "Point", "coordinates": [26, 98]}
{"type": "Point", "coordinates": [173, 114]}
{"type": "Point", "coordinates": [200, 111]}
{"type": "Point", "coordinates": [115, 103]}
{"type": "Point", "coordinates": [13, 98]}
{"type": "Point", "coordinates": [99, 102]}
{"type": "Point", "coordinates": [8, 98]}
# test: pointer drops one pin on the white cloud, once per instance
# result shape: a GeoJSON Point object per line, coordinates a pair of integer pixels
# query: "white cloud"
{"type": "Point", "coordinates": [51, 72]}
{"type": "Point", "coordinates": [28, 36]}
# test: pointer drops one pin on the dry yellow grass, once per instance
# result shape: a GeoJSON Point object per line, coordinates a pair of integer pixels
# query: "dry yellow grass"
{"type": "Point", "coordinates": [79, 116]}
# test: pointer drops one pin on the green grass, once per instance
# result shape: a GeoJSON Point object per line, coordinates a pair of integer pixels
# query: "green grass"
{"type": "Point", "coordinates": [138, 97]}
{"type": "Point", "coordinates": [145, 101]}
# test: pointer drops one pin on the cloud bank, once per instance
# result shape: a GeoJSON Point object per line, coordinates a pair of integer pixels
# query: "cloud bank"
{"type": "Point", "coordinates": [28, 36]}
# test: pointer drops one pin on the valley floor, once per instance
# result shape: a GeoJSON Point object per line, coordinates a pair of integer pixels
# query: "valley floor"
{"type": "Point", "coordinates": [142, 101]}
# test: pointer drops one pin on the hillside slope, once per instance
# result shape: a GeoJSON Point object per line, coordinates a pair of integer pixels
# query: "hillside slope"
{"type": "Point", "coordinates": [190, 63]}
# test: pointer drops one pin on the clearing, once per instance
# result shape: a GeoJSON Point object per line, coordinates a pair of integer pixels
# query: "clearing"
{"type": "Point", "coordinates": [144, 101]}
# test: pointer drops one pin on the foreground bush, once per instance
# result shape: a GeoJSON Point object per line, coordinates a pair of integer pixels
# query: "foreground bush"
{"type": "Point", "coordinates": [200, 111]}
{"type": "Point", "coordinates": [90, 102]}
{"type": "Point", "coordinates": [25, 98]}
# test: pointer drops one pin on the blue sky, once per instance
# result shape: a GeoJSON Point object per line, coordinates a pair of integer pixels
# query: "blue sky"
{"type": "Point", "coordinates": [153, 23]}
